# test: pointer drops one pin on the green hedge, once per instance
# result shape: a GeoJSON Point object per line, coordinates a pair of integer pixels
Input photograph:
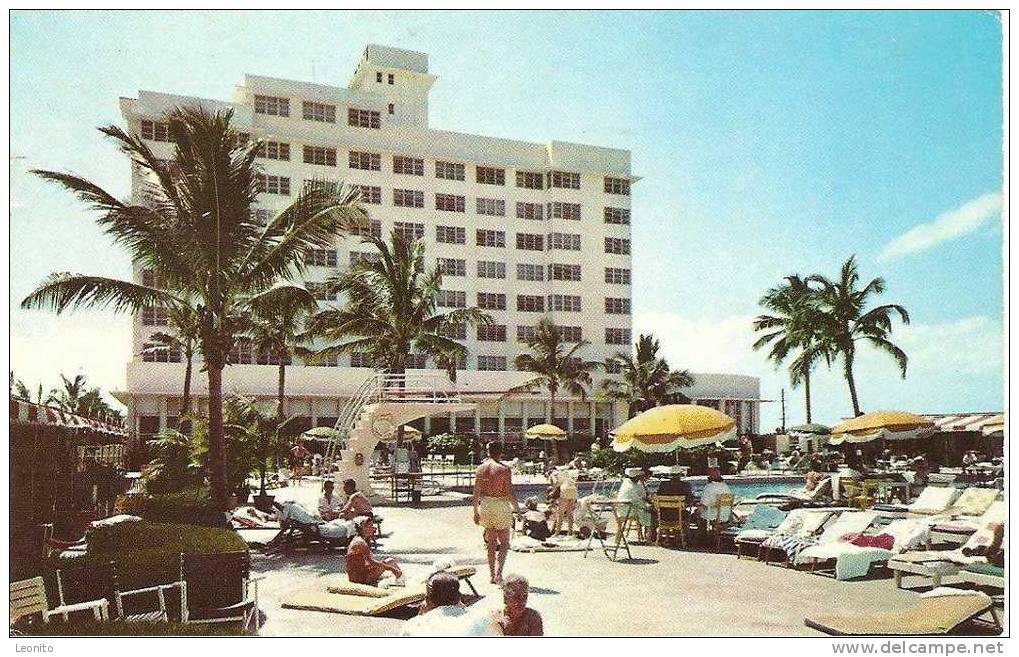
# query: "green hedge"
{"type": "Point", "coordinates": [123, 628]}
{"type": "Point", "coordinates": [191, 506]}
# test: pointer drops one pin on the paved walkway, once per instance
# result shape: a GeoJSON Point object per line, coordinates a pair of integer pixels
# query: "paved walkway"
{"type": "Point", "coordinates": [660, 592]}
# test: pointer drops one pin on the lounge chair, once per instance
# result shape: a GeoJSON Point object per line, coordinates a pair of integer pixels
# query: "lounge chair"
{"type": "Point", "coordinates": [959, 529]}
{"type": "Point", "coordinates": [789, 543]}
{"type": "Point", "coordinates": [933, 500]}
{"type": "Point", "coordinates": [984, 574]}
{"type": "Point", "coordinates": [936, 564]}
{"type": "Point", "coordinates": [764, 518]}
{"type": "Point", "coordinates": [28, 597]}
{"type": "Point", "coordinates": [751, 538]}
{"type": "Point", "coordinates": [848, 523]}
{"type": "Point", "coordinates": [853, 561]}
{"type": "Point", "coordinates": [938, 612]}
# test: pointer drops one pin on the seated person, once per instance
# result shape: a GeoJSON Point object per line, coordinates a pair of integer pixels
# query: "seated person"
{"type": "Point", "coordinates": [357, 504]}
{"type": "Point", "coordinates": [516, 618]}
{"type": "Point", "coordinates": [675, 486]}
{"type": "Point", "coordinates": [444, 614]}
{"type": "Point", "coordinates": [362, 567]}
{"type": "Point", "coordinates": [992, 547]}
{"type": "Point", "coordinates": [535, 522]}
{"type": "Point", "coordinates": [632, 490]}
{"type": "Point", "coordinates": [329, 504]}
{"type": "Point", "coordinates": [708, 509]}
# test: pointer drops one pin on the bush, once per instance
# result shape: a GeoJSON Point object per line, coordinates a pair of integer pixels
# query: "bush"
{"type": "Point", "coordinates": [192, 506]}
{"type": "Point", "coordinates": [448, 443]}
{"type": "Point", "coordinates": [124, 628]}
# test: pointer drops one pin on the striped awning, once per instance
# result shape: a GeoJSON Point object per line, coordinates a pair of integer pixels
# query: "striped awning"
{"type": "Point", "coordinates": [973, 422]}
{"type": "Point", "coordinates": [25, 412]}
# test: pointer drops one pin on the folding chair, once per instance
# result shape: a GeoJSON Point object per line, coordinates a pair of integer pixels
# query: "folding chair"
{"type": "Point", "coordinates": [28, 597]}
{"type": "Point", "coordinates": [598, 512]}
{"type": "Point", "coordinates": [671, 528]}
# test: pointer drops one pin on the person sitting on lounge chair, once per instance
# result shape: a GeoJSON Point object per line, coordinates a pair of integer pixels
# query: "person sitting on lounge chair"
{"type": "Point", "coordinates": [990, 548]}
{"type": "Point", "coordinates": [357, 504]}
{"type": "Point", "coordinates": [330, 504]}
{"type": "Point", "coordinates": [362, 567]}
{"type": "Point", "coordinates": [338, 529]}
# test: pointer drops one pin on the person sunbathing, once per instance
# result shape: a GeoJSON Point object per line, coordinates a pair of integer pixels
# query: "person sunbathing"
{"type": "Point", "coordinates": [330, 504]}
{"type": "Point", "coordinates": [362, 566]}
{"type": "Point", "coordinates": [339, 529]}
{"type": "Point", "coordinates": [357, 503]}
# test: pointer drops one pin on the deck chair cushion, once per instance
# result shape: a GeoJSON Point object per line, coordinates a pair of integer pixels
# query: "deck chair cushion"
{"type": "Point", "coordinates": [974, 501]}
{"type": "Point", "coordinates": [934, 499]}
{"type": "Point", "coordinates": [764, 517]}
{"type": "Point", "coordinates": [932, 615]}
{"type": "Point", "coordinates": [344, 587]}
{"type": "Point", "coordinates": [985, 569]}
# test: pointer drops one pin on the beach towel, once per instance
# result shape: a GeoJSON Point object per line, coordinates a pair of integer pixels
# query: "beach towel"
{"type": "Point", "coordinates": [554, 544]}
{"type": "Point", "coordinates": [974, 501]}
{"type": "Point", "coordinates": [853, 561]}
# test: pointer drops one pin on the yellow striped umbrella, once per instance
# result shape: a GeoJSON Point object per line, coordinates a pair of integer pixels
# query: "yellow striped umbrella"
{"type": "Point", "coordinates": [409, 434]}
{"type": "Point", "coordinates": [886, 425]}
{"type": "Point", "coordinates": [545, 432]}
{"type": "Point", "coordinates": [667, 428]}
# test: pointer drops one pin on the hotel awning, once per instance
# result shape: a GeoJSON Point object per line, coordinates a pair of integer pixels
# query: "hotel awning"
{"type": "Point", "coordinates": [24, 412]}
{"type": "Point", "coordinates": [973, 422]}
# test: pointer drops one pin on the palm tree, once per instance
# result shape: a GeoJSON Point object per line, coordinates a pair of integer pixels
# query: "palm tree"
{"type": "Point", "coordinates": [556, 366]}
{"type": "Point", "coordinates": [68, 397]}
{"type": "Point", "coordinates": [846, 320]}
{"type": "Point", "coordinates": [794, 327]}
{"type": "Point", "coordinates": [647, 380]}
{"type": "Point", "coordinates": [197, 230]}
{"type": "Point", "coordinates": [183, 320]}
{"type": "Point", "coordinates": [391, 309]}
{"type": "Point", "coordinates": [20, 389]}
{"type": "Point", "coordinates": [258, 428]}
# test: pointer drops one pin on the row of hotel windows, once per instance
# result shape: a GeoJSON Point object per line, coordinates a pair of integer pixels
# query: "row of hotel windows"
{"type": "Point", "coordinates": [411, 166]}
{"type": "Point", "coordinates": [497, 238]}
{"type": "Point", "coordinates": [320, 112]}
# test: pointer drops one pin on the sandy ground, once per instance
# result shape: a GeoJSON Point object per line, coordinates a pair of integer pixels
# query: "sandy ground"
{"type": "Point", "coordinates": [660, 591]}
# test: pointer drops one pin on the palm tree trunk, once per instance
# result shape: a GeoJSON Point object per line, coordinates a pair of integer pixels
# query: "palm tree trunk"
{"type": "Point", "coordinates": [280, 387]}
{"type": "Point", "coordinates": [806, 390]}
{"type": "Point", "coordinates": [551, 420]}
{"type": "Point", "coordinates": [183, 423]}
{"type": "Point", "coordinates": [217, 454]}
{"type": "Point", "coordinates": [852, 385]}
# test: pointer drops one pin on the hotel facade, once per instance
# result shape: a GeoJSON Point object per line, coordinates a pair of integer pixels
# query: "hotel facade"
{"type": "Point", "coordinates": [521, 230]}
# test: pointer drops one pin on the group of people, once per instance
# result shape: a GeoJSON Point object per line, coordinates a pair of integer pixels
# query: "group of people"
{"type": "Point", "coordinates": [705, 508]}
{"type": "Point", "coordinates": [445, 614]}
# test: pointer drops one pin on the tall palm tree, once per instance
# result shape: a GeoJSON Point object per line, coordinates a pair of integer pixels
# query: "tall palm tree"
{"type": "Point", "coordinates": [182, 319]}
{"type": "Point", "coordinates": [68, 396]}
{"type": "Point", "coordinates": [196, 228]}
{"type": "Point", "coordinates": [647, 380]}
{"type": "Point", "coordinates": [556, 365]}
{"type": "Point", "coordinates": [847, 321]}
{"type": "Point", "coordinates": [20, 389]}
{"type": "Point", "coordinates": [391, 309]}
{"type": "Point", "coordinates": [794, 327]}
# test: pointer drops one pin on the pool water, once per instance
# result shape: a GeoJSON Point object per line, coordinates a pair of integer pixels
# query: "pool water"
{"type": "Point", "coordinates": [743, 489]}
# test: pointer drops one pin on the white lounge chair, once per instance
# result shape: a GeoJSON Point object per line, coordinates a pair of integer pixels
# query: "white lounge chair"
{"type": "Point", "coordinates": [933, 500]}
{"type": "Point", "coordinates": [850, 522]}
{"type": "Point", "coordinates": [937, 564]}
{"type": "Point", "coordinates": [853, 561]}
{"type": "Point", "coordinates": [960, 528]}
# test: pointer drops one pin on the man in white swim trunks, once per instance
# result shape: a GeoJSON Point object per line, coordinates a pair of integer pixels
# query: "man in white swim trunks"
{"type": "Point", "coordinates": [494, 506]}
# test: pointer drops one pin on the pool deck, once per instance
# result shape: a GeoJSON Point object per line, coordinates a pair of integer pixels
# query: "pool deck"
{"type": "Point", "coordinates": [661, 592]}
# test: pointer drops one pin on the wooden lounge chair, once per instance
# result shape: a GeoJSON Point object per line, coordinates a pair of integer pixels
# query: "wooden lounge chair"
{"type": "Point", "coordinates": [931, 615]}
{"type": "Point", "coordinates": [218, 588]}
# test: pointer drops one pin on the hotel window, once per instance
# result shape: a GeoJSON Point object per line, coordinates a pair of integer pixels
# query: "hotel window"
{"type": "Point", "coordinates": [360, 359]}
{"type": "Point", "coordinates": [495, 238]}
{"type": "Point", "coordinates": [320, 257]}
{"type": "Point", "coordinates": [449, 170]}
{"type": "Point", "coordinates": [491, 301]}
{"type": "Point", "coordinates": [368, 194]}
{"type": "Point", "coordinates": [617, 275]}
{"type": "Point", "coordinates": [366, 161]}
{"type": "Point", "coordinates": [453, 331]}
{"type": "Point", "coordinates": [409, 166]}
{"type": "Point", "coordinates": [449, 203]}
{"type": "Point", "coordinates": [571, 333]}
{"type": "Point", "coordinates": [570, 211]}
{"type": "Point", "coordinates": [392, 78]}
{"type": "Point", "coordinates": [152, 316]}
{"type": "Point", "coordinates": [155, 352]}
{"type": "Point", "coordinates": [491, 206]}
{"type": "Point", "coordinates": [451, 299]}
{"type": "Point", "coordinates": [242, 353]}
{"type": "Point", "coordinates": [417, 361]}
{"type": "Point", "coordinates": [617, 245]}
{"type": "Point", "coordinates": [374, 229]}
{"type": "Point", "coordinates": [360, 118]}
{"type": "Point", "coordinates": [565, 302]}
{"type": "Point", "coordinates": [617, 336]}
{"type": "Point", "coordinates": [530, 303]}
{"type": "Point", "coordinates": [534, 211]}
{"type": "Point", "coordinates": [243, 138]}
{"type": "Point", "coordinates": [392, 108]}
{"type": "Point", "coordinates": [617, 186]}
{"type": "Point", "coordinates": [612, 366]}
{"type": "Point", "coordinates": [528, 272]}
{"type": "Point", "coordinates": [530, 180]}
{"type": "Point", "coordinates": [492, 333]}
{"type": "Point", "coordinates": [320, 155]}
{"type": "Point", "coordinates": [378, 76]}
{"type": "Point", "coordinates": [272, 105]}
{"type": "Point", "coordinates": [319, 112]}
{"type": "Point", "coordinates": [155, 131]}
{"type": "Point", "coordinates": [559, 272]}
{"type": "Point", "coordinates": [564, 180]}
{"type": "Point", "coordinates": [564, 241]}
{"type": "Point", "coordinates": [319, 290]}
{"type": "Point", "coordinates": [492, 363]}
{"type": "Point", "coordinates": [617, 216]}
{"type": "Point", "coordinates": [530, 242]}
{"type": "Point", "coordinates": [357, 257]}
{"type": "Point", "coordinates": [489, 269]}
{"type": "Point", "coordinates": [330, 187]}
{"type": "Point", "coordinates": [617, 306]}
{"type": "Point", "coordinates": [408, 198]}
{"type": "Point", "coordinates": [274, 184]}
{"type": "Point", "coordinates": [525, 333]}
{"type": "Point", "coordinates": [149, 279]}
{"type": "Point", "coordinates": [452, 266]}
{"type": "Point", "coordinates": [274, 150]}
{"type": "Point", "coordinates": [450, 235]}
{"type": "Point", "coordinates": [490, 175]}
{"type": "Point", "coordinates": [409, 230]}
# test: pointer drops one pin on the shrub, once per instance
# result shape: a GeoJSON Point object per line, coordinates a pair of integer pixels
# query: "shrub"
{"type": "Point", "coordinates": [192, 506]}
{"type": "Point", "coordinates": [448, 443]}
{"type": "Point", "coordinates": [124, 628]}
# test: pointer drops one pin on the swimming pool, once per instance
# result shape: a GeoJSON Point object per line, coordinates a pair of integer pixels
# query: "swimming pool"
{"type": "Point", "coordinates": [744, 488]}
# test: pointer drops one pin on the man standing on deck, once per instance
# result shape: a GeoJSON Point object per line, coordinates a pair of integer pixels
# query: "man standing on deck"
{"type": "Point", "coordinates": [494, 506]}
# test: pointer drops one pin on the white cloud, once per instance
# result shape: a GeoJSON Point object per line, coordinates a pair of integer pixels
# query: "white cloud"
{"type": "Point", "coordinates": [949, 226]}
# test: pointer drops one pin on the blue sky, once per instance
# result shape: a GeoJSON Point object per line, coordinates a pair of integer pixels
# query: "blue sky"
{"type": "Point", "coordinates": [769, 142]}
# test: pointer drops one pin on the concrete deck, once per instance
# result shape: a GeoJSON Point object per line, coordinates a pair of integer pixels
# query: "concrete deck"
{"type": "Point", "coordinates": [660, 592]}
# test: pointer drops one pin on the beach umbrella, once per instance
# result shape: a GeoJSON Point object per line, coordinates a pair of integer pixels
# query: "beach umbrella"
{"type": "Point", "coordinates": [545, 432]}
{"type": "Point", "coordinates": [667, 428]}
{"type": "Point", "coordinates": [885, 425]}
{"type": "Point", "coordinates": [812, 429]}
{"type": "Point", "coordinates": [409, 434]}
{"type": "Point", "coordinates": [321, 433]}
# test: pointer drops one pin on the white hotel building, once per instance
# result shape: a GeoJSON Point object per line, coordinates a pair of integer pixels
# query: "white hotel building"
{"type": "Point", "coordinates": [521, 229]}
